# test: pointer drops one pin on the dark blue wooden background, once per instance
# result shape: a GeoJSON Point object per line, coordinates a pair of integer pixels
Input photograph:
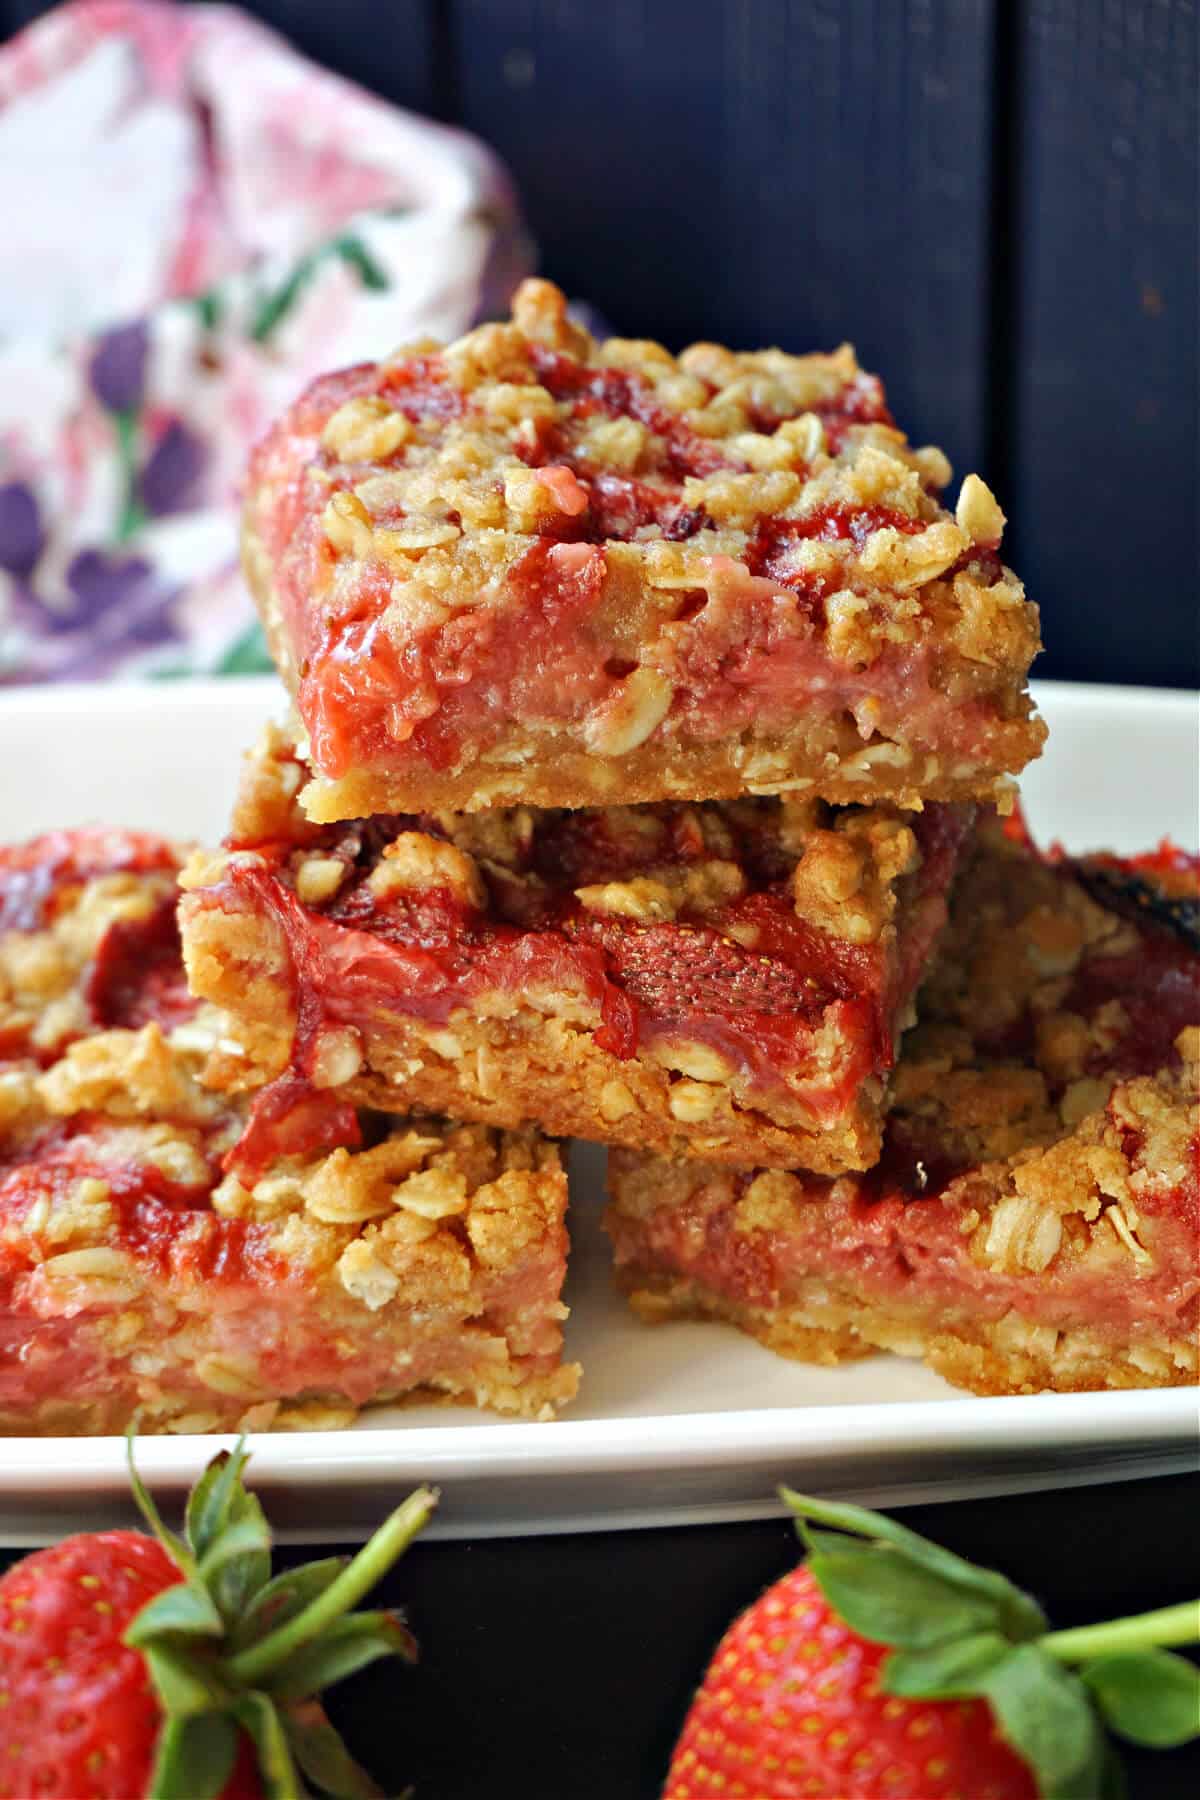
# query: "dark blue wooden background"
{"type": "Point", "coordinates": [996, 200]}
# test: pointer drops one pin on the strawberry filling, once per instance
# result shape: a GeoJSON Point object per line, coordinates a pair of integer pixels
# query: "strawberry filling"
{"type": "Point", "coordinates": [136, 972]}
{"type": "Point", "coordinates": [421, 387]}
{"type": "Point", "coordinates": [794, 1011]}
{"type": "Point", "coordinates": [1155, 988]}
{"type": "Point", "coordinates": [1158, 988]}
{"type": "Point", "coordinates": [34, 876]}
{"type": "Point", "coordinates": [619, 394]}
{"type": "Point", "coordinates": [900, 1247]}
{"type": "Point", "coordinates": [369, 698]}
{"type": "Point", "coordinates": [770, 551]}
{"type": "Point", "coordinates": [163, 1224]}
{"type": "Point", "coordinates": [137, 975]}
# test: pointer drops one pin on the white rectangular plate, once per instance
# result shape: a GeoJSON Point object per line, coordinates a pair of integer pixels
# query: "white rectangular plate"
{"type": "Point", "coordinates": [675, 1423]}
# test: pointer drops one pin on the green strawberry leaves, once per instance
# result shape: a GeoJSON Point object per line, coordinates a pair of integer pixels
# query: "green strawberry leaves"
{"type": "Point", "coordinates": [948, 1670]}
{"type": "Point", "coordinates": [238, 1563]}
{"type": "Point", "coordinates": [179, 1552]}
{"type": "Point", "coordinates": [228, 1535]}
{"type": "Point", "coordinates": [211, 1500]}
{"type": "Point", "coordinates": [885, 1596]}
{"type": "Point", "coordinates": [183, 1611]}
{"type": "Point", "coordinates": [1014, 1613]}
{"type": "Point", "coordinates": [1148, 1696]}
{"type": "Point", "coordinates": [957, 1632]}
{"type": "Point", "coordinates": [230, 1650]}
{"type": "Point", "coordinates": [347, 1646]}
{"type": "Point", "coordinates": [277, 1771]}
{"type": "Point", "coordinates": [195, 1758]}
{"type": "Point", "coordinates": [282, 1598]}
{"type": "Point", "coordinates": [1042, 1709]}
{"type": "Point", "coordinates": [321, 1755]}
{"type": "Point", "coordinates": [186, 1687]}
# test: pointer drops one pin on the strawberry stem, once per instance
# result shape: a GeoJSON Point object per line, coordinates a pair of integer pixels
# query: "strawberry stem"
{"type": "Point", "coordinates": [251, 1666]}
{"type": "Point", "coordinates": [1145, 1631]}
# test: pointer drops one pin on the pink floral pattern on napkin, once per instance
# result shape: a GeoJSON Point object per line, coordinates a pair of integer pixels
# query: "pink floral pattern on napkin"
{"type": "Point", "coordinates": [216, 221]}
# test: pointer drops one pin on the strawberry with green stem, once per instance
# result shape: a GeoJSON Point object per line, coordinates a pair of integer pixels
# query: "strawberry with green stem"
{"type": "Point", "coordinates": [178, 1668]}
{"type": "Point", "coordinates": [885, 1666]}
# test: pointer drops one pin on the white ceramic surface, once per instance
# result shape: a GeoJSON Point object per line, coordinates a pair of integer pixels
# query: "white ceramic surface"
{"type": "Point", "coordinates": [682, 1422]}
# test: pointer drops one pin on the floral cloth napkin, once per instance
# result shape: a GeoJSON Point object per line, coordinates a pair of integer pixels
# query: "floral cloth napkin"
{"type": "Point", "coordinates": [197, 221]}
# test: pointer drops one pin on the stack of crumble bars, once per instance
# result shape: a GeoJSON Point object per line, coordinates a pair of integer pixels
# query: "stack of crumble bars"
{"type": "Point", "coordinates": [653, 727]}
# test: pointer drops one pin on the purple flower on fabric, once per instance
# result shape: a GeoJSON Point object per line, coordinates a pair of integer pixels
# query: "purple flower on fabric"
{"type": "Point", "coordinates": [173, 469]}
{"type": "Point", "coordinates": [118, 367]}
{"type": "Point", "coordinates": [111, 606]}
{"type": "Point", "coordinates": [103, 584]}
{"type": "Point", "coordinates": [118, 597]}
{"type": "Point", "coordinates": [22, 539]}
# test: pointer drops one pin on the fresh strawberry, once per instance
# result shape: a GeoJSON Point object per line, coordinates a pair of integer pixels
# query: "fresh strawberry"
{"type": "Point", "coordinates": [135, 1665]}
{"type": "Point", "coordinates": [80, 1712]}
{"type": "Point", "coordinates": [887, 1667]}
{"type": "Point", "coordinates": [792, 1704]}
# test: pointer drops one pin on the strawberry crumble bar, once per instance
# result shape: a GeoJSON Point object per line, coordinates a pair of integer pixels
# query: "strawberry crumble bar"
{"type": "Point", "coordinates": [530, 568]}
{"type": "Point", "coordinates": [726, 979]}
{"type": "Point", "coordinates": [140, 1275]}
{"type": "Point", "coordinates": [1035, 1221]}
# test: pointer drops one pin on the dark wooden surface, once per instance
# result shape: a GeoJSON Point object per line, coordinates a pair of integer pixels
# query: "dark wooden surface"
{"type": "Point", "coordinates": [1099, 465]}
{"type": "Point", "coordinates": [996, 199]}
{"type": "Point", "coordinates": [794, 173]}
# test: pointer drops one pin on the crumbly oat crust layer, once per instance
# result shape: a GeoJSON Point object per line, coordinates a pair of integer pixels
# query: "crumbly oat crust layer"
{"type": "Point", "coordinates": [530, 568]}
{"type": "Point", "coordinates": [138, 1275]}
{"type": "Point", "coordinates": [726, 979]}
{"type": "Point", "coordinates": [1034, 1222]}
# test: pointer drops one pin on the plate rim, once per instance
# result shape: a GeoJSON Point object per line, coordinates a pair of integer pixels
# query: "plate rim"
{"type": "Point", "coordinates": [500, 1450]}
